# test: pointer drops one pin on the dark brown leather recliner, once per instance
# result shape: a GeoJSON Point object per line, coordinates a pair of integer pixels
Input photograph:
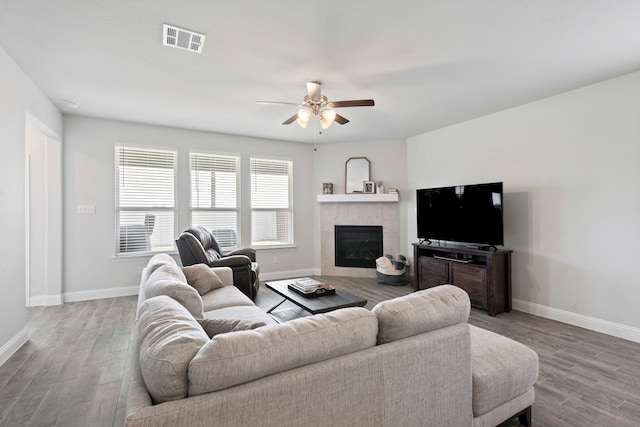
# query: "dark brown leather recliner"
{"type": "Point", "coordinates": [197, 245]}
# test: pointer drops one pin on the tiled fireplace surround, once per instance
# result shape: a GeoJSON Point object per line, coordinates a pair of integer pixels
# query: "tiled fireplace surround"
{"type": "Point", "coordinates": [356, 213]}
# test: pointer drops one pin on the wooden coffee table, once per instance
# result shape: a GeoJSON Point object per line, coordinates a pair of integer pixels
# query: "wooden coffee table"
{"type": "Point", "coordinates": [322, 304]}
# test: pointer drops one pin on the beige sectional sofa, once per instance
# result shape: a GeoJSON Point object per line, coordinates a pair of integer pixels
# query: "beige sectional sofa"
{"type": "Point", "coordinates": [410, 361]}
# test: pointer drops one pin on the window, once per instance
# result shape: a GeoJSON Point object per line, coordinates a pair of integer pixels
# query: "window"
{"type": "Point", "coordinates": [214, 196]}
{"type": "Point", "coordinates": [145, 199]}
{"type": "Point", "coordinates": [271, 207]}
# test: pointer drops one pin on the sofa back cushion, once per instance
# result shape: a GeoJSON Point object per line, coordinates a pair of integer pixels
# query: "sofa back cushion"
{"type": "Point", "coordinates": [238, 357]}
{"type": "Point", "coordinates": [159, 260]}
{"type": "Point", "coordinates": [420, 312]}
{"type": "Point", "coordinates": [169, 337]}
{"type": "Point", "coordinates": [169, 280]}
{"type": "Point", "coordinates": [154, 263]}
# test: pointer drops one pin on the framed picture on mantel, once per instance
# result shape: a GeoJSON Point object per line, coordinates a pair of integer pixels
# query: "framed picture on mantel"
{"type": "Point", "coordinates": [369, 187]}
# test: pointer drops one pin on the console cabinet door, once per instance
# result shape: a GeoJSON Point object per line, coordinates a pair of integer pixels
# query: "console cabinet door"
{"type": "Point", "coordinates": [433, 272]}
{"type": "Point", "coordinates": [472, 279]}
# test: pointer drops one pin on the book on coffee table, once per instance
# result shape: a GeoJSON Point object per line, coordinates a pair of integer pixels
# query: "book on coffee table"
{"type": "Point", "coordinates": [309, 287]}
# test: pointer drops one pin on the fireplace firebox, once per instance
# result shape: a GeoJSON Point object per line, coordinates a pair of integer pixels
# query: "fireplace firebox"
{"type": "Point", "coordinates": [357, 245]}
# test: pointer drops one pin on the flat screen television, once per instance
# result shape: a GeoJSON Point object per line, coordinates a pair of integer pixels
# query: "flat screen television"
{"type": "Point", "coordinates": [462, 213]}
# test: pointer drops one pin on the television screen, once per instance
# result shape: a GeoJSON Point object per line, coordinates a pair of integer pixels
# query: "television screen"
{"type": "Point", "coordinates": [462, 213]}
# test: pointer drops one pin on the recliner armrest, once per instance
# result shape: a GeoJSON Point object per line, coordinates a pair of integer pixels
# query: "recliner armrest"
{"type": "Point", "coordinates": [250, 252]}
{"type": "Point", "coordinates": [232, 261]}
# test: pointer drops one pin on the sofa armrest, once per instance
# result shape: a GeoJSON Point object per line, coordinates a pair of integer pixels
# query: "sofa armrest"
{"type": "Point", "coordinates": [138, 396]}
{"type": "Point", "coordinates": [243, 274]}
{"type": "Point", "coordinates": [225, 274]}
{"type": "Point", "coordinates": [421, 312]}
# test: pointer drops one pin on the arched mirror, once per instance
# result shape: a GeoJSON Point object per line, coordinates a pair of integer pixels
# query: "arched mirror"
{"type": "Point", "coordinates": [356, 171]}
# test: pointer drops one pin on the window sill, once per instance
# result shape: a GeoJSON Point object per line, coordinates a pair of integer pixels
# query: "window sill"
{"type": "Point", "coordinates": [273, 247]}
{"type": "Point", "coordinates": [127, 256]}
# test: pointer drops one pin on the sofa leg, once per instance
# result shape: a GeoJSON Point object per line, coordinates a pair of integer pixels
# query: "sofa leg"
{"type": "Point", "coordinates": [525, 417]}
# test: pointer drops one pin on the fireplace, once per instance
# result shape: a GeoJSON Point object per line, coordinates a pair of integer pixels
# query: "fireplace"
{"type": "Point", "coordinates": [357, 245]}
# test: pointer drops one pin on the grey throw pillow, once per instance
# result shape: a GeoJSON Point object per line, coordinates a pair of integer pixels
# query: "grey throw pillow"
{"type": "Point", "coordinates": [214, 327]}
{"type": "Point", "coordinates": [202, 278]}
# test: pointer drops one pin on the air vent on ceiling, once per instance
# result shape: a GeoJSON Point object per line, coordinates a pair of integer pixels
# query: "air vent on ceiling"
{"type": "Point", "coordinates": [181, 38]}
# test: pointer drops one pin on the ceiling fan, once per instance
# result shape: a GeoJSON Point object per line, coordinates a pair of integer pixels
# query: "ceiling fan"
{"type": "Point", "coordinates": [316, 104]}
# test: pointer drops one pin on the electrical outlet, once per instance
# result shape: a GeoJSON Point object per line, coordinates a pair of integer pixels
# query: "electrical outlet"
{"type": "Point", "coordinates": [86, 209]}
{"type": "Point", "coordinates": [275, 259]}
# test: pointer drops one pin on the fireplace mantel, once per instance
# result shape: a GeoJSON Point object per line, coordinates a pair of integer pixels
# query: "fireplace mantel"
{"type": "Point", "coordinates": [358, 198]}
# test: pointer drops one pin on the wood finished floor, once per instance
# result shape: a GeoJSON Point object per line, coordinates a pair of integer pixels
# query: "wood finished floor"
{"type": "Point", "coordinates": [73, 370]}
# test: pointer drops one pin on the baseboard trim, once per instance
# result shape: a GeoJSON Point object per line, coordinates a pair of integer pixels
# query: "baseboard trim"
{"type": "Point", "coordinates": [13, 345]}
{"type": "Point", "coordinates": [123, 291]}
{"type": "Point", "coordinates": [594, 324]}
{"type": "Point", "coordinates": [278, 275]}
{"type": "Point", "coordinates": [133, 290]}
{"type": "Point", "coordinates": [46, 300]}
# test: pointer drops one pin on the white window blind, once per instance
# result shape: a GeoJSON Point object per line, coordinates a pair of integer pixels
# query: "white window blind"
{"type": "Point", "coordinates": [145, 199]}
{"type": "Point", "coordinates": [271, 205]}
{"type": "Point", "coordinates": [214, 196]}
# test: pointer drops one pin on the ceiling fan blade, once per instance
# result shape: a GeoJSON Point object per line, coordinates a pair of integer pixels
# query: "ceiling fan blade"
{"type": "Point", "coordinates": [313, 89]}
{"type": "Point", "coordinates": [276, 102]}
{"type": "Point", "coordinates": [290, 119]}
{"type": "Point", "coordinates": [341, 120]}
{"type": "Point", "coordinates": [352, 103]}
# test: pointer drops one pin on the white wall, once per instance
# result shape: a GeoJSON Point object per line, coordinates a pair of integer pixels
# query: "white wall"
{"type": "Point", "coordinates": [20, 98]}
{"type": "Point", "coordinates": [91, 269]}
{"type": "Point", "coordinates": [388, 164]}
{"type": "Point", "coordinates": [571, 169]}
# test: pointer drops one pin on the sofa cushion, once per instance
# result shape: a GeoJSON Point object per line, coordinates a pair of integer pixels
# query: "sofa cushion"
{"type": "Point", "coordinates": [502, 369]}
{"type": "Point", "coordinates": [214, 327]}
{"type": "Point", "coordinates": [239, 357]}
{"type": "Point", "coordinates": [202, 277]}
{"type": "Point", "coordinates": [165, 280]}
{"type": "Point", "coordinates": [169, 337]}
{"type": "Point", "coordinates": [246, 313]}
{"type": "Point", "coordinates": [226, 296]}
{"type": "Point", "coordinates": [421, 312]}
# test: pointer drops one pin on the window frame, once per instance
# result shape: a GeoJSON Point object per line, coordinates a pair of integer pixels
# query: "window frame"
{"type": "Point", "coordinates": [289, 209]}
{"type": "Point", "coordinates": [238, 200]}
{"type": "Point", "coordinates": [118, 209]}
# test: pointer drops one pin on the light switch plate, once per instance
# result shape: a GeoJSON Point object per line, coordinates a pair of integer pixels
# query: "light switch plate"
{"type": "Point", "coordinates": [86, 209]}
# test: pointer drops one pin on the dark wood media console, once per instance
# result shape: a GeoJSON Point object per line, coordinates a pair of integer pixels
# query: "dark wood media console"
{"type": "Point", "coordinates": [484, 274]}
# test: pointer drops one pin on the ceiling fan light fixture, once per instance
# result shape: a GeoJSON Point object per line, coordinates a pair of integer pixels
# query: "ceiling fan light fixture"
{"type": "Point", "coordinates": [303, 117]}
{"type": "Point", "coordinates": [327, 116]}
{"type": "Point", "coordinates": [316, 104]}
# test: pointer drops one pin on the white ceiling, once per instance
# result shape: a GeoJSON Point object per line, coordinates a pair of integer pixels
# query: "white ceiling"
{"type": "Point", "coordinates": [427, 63]}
